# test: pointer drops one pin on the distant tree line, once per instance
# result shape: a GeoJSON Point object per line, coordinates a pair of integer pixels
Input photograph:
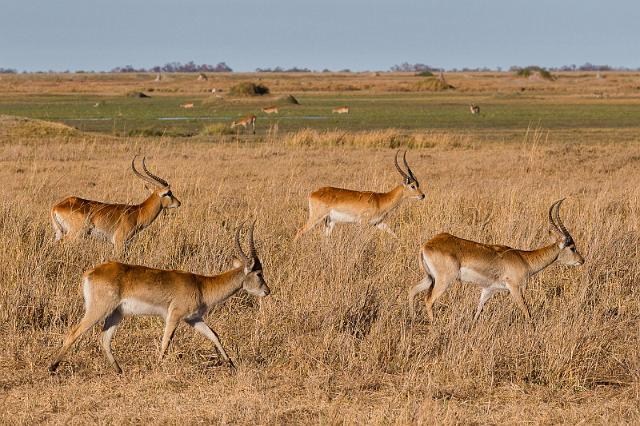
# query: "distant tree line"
{"type": "Point", "coordinates": [280, 69]}
{"type": "Point", "coordinates": [590, 67]}
{"type": "Point", "coordinates": [418, 68]}
{"type": "Point", "coordinates": [177, 67]}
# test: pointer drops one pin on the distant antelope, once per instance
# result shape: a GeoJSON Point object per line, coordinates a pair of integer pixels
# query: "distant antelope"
{"type": "Point", "coordinates": [114, 290]}
{"type": "Point", "coordinates": [118, 223]}
{"type": "Point", "coordinates": [270, 110]}
{"type": "Point", "coordinates": [186, 106]}
{"type": "Point", "coordinates": [246, 121]}
{"type": "Point", "coordinates": [446, 258]}
{"type": "Point", "coordinates": [475, 109]}
{"type": "Point", "coordinates": [341, 110]}
{"type": "Point", "coordinates": [335, 205]}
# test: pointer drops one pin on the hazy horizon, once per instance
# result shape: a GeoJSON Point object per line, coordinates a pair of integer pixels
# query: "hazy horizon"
{"type": "Point", "coordinates": [76, 35]}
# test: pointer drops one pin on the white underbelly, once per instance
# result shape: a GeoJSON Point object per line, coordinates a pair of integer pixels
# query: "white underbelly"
{"type": "Point", "coordinates": [137, 307]}
{"type": "Point", "coordinates": [99, 233]}
{"type": "Point", "coordinates": [337, 216]}
{"type": "Point", "coordinates": [472, 276]}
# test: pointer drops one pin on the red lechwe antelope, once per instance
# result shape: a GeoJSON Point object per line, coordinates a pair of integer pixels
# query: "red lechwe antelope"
{"type": "Point", "coordinates": [270, 110]}
{"type": "Point", "coordinates": [335, 205]}
{"type": "Point", "coordinates": [186, 106]}
{"type": "Point", "coordinates": [246, 121]}
{"type": "Point", "coordinates": [118, 223]}
{"type": "Point", "coordinates": [115, 290]}
{"type": "Point", "coordinates": [475, 109]}
{"type": "Point", "coordinates": [446, 258]}
{"type": "Point", "coordinates": [341, 110]}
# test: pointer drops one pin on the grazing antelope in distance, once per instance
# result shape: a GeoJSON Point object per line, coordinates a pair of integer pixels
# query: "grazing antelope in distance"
{"type": "Point", "coordinates": [186, 106]}
{"type": "Point", "coordinates": [270, 110]}
{"type": "Point", "coordinates": [335, 205]}
{"type": "Point", "coordinates": [475, 109]}
{"type": "Point", "coordinates": [340, 110]}
{"type": "Point", "coordinates": [118, 223]}
{"type": "Point", "coordinates": [446, 258]}
{"type": "Point", "coordinates": [246, 121]}
{"type": "Point", "coordinates": [114, 290]}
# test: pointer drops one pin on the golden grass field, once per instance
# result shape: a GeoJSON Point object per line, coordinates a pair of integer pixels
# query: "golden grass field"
{"type": "Point", "coordinates": [333, 343]}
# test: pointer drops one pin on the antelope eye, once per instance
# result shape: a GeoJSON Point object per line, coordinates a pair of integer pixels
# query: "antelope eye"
{"type": "Point", "coordinates": [168, 194]}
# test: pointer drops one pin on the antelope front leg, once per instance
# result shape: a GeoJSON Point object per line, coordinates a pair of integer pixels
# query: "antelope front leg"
{"type": "Point", "coordinates": [201, 327]}
{"type": "Point", "coordinates": [384, 227]}
{"type": "Point", "coordinates": [516, 294]}
{"type": "Point", "coordinates": [169, 329]}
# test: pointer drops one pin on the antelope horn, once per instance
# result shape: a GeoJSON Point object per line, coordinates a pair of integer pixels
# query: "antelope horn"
{"type": "Point", "coordinates": [551, 216]}
{"type": "Point", "coordinates": [240, 253]}
{"type": "Point", "coordinates": [140, 175]}
{"type": "Point", "coordinates": [563, 229]}
{"type": "Point", "coordinates": [158, 179]}
{"type": "Point", "coordinates": [404, 158]}
{"type": "Point", "coordinates": [402, 173]}
{"type": "Point", "coordinates": [252, 244]}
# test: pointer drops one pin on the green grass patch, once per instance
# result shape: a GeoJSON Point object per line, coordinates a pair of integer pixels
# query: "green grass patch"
{"type": "Point", "coordinates": [162, 115]}
{"type": "Point", "coordinates": [217, 129]}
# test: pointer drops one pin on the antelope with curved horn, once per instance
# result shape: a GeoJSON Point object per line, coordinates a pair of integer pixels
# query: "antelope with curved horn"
{"type": "Point", "coordinates": [494, 268]}
{"type": "Point", "coordinates": [118, 223]}
{"type": "Point", "coordinates": [114, 290]}
{"type": "Point", "coordinates": [334, 205]}
{"type": "Point", "coordinates": [249, 120]}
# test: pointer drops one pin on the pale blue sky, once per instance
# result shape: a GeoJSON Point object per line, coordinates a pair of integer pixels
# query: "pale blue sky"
{"type": "Point", "coordinates": [359, 34]}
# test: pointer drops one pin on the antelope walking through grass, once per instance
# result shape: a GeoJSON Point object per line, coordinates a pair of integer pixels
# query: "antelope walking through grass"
{"type": "Point", "coordinates": [117, 223]}
{"type": "Point", "coordinates": [249, 120]}
{"type": "Point", "coordinates": [270, 110]}
{"type": "Point", "coordinates": [446, 258]}
{"type": "Point", "coordinates": [340, 110]}
{"type": "Point", "coordinates": [335, 205]}
{"type": "Point", "coordinates": [474, 109]}
{"type": "Point", "coordinates": [114, 290]}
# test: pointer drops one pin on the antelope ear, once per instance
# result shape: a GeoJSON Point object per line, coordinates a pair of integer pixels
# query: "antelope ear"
{"type": "Point", "coordinates": [237, 263]}
{"type": "Point", "coordinates": [249, 267]}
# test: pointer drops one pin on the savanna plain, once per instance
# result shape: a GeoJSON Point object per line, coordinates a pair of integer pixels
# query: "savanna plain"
{"type": "Point", "coordinates": [333, 342]}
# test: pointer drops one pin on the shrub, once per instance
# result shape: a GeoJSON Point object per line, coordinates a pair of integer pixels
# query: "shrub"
{"type": "Point", "coordinates": [424, 74]}
{"type": "Point", "coordinates": [249, 89]}
{"type": "Point", "coordinates": [136, 94]}
{"type": "Point", "coordinates": [533, 70]}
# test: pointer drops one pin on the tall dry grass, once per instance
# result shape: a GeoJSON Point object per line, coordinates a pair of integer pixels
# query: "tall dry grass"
{"type": "Point", "coordinates": [333, 343]}
{"type": "Point", "coordinates": [615, 84]}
